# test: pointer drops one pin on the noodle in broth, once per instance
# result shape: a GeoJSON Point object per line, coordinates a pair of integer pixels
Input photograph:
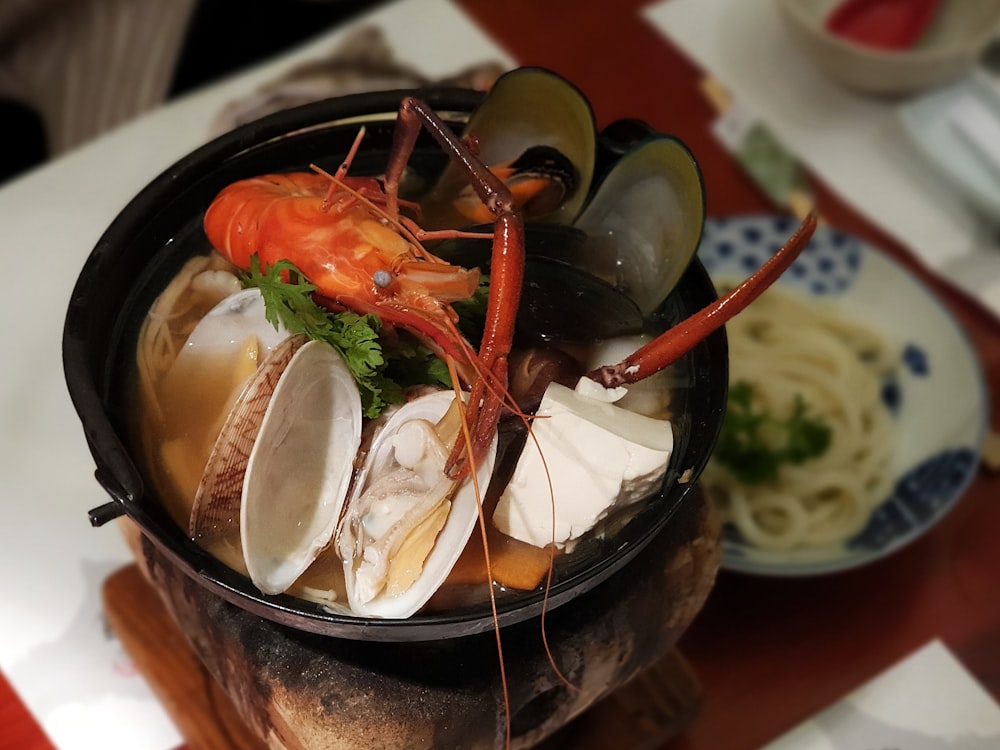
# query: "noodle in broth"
{"type": "Point", "coordinates": [784, 345]}
{"type": "Point", "coordinates": [201, 283]}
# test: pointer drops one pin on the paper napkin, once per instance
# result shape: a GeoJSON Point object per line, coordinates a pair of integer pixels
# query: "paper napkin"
{"type": "Point", "coordinates": [928, 701]}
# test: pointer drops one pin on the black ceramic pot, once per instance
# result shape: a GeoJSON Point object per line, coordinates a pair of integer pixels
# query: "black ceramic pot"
{"type": "Point", "coordinates": [161, 228]}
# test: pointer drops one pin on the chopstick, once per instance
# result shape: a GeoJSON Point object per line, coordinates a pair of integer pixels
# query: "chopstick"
{"type": "Point", "coordinates": [991, 451]}
{"type": "Point", "coordinates": [782, 180]}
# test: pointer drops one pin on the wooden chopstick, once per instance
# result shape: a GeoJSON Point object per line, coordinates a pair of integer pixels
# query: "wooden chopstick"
{"type": "Point", "coordinates": [799, 201]}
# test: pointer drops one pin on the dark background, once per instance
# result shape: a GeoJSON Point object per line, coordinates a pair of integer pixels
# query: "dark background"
{"type": "Point", "coordinates": [223, 36]}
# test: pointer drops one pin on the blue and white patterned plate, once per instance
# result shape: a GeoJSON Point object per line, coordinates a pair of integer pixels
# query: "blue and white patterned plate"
{"type": "Point", "coordinates": [938, 398]}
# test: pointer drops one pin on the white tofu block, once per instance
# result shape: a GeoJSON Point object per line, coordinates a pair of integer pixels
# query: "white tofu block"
{"type": "Point", "coordinates": [598, 456]}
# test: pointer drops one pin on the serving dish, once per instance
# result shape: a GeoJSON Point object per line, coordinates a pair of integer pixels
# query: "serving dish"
{"type": "Point", "coordinates": [956, 37]}
{"type": "Point", "coordinates": [937, 397]}
{"type": "Point", "coordinates": [161, 228]}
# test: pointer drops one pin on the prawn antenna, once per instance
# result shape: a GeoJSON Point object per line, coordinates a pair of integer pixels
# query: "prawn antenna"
{"type": "Point", "coordinates": [467, 437]}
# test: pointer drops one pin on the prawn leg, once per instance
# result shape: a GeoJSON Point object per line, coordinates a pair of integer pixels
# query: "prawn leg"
{"type": "Point", "coordinates": [506, 269]}
{"type": "Point", "coordinates": [672, 344]}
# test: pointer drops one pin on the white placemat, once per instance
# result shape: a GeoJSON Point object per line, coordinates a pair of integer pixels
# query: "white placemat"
{"type": "Point", "coordinates": [54, 647]}
{"type": "Point", "coordinates": [927, 700]}
{"type": "Point", "coordinates": [855, 145]}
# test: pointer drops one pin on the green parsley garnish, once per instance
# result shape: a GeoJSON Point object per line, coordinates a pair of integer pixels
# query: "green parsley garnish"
{"type": "Point", "coordinates": [409, 361]}
{"type": "Point", "coordinates": [753, 444]}
{"type": "Point", "coordinates": [354, 336]}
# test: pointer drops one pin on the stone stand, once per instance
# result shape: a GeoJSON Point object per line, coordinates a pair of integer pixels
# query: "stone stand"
{"type": "Point", "coordinates": [299, 690]}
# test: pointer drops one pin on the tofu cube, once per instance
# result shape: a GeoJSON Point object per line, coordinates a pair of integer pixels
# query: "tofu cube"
{"type": "Point", "coordinates": [599, 456]}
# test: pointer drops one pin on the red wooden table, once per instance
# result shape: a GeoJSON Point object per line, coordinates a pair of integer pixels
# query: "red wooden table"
{"type": "Point", "coordinates": [768, 652]}
{"type": "Point", "coordinates": [771, 652]}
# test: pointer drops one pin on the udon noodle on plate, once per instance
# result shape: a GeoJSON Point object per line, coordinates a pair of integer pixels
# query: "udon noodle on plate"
{"type": "Point", "coordinates": [787, 348]}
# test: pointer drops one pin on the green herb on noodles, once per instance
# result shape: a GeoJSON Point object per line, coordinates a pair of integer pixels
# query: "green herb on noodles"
{"type": "Point", "coordinates": [754, 444]}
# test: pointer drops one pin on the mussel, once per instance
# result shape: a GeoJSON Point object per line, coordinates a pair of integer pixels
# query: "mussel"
{"type": "Point", "coordinates": [646, 215]}
{"type": "Point", "coordinates": [635, 224]}
{"type": "Point", "coordinates": [537, 131]}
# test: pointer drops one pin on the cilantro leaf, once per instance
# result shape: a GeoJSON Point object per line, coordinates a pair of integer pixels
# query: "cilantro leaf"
{"type": "Point", "coordinates": [754, 444]}
{"type": "Point", "coordinates": [355, 336]}
{"type": "Point", "coordinates": [408, 361]}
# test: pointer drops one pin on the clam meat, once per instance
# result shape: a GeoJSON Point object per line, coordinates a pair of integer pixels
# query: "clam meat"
{"type": "Point", "coordinates": [406, 523]}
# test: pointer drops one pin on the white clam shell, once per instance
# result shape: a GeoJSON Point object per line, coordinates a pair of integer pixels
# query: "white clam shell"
{"type": "Point", "coordinates": [365, 515]}
{"type": "Point", "coordinates": [300, 467]}
{"type": "Point", "coordinates": [222, 330]}
{"type": "Point", "coordinates": [217, 501]}
{"type": "Point", "coordinates": [217, 359]}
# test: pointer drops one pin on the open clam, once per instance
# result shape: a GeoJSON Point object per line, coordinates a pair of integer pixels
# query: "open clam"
{"type": "Point", "coordinates": [215, 513]}
{"type": "Point", "coordinates": [282, 462]}
{"type": "Point", "coordinates": [220, 354]}
{"type": "Point", "coordinates": [406, 523]}
{"type": "Point", "coordinates": [300, 468]}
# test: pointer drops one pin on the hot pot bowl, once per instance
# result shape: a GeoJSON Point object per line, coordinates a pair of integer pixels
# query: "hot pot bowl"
{"type": "Point", "coordinates": [221, 612]}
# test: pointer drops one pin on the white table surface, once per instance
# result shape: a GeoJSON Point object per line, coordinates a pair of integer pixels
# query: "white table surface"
{"type": "Point", "coordinates": [54, 649]}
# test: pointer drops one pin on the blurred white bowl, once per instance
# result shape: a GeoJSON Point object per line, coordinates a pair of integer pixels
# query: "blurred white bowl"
{"type": "Point", "coordinates": [938, 398]}
{"type": "Point", "coordinates": [950, 48]}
